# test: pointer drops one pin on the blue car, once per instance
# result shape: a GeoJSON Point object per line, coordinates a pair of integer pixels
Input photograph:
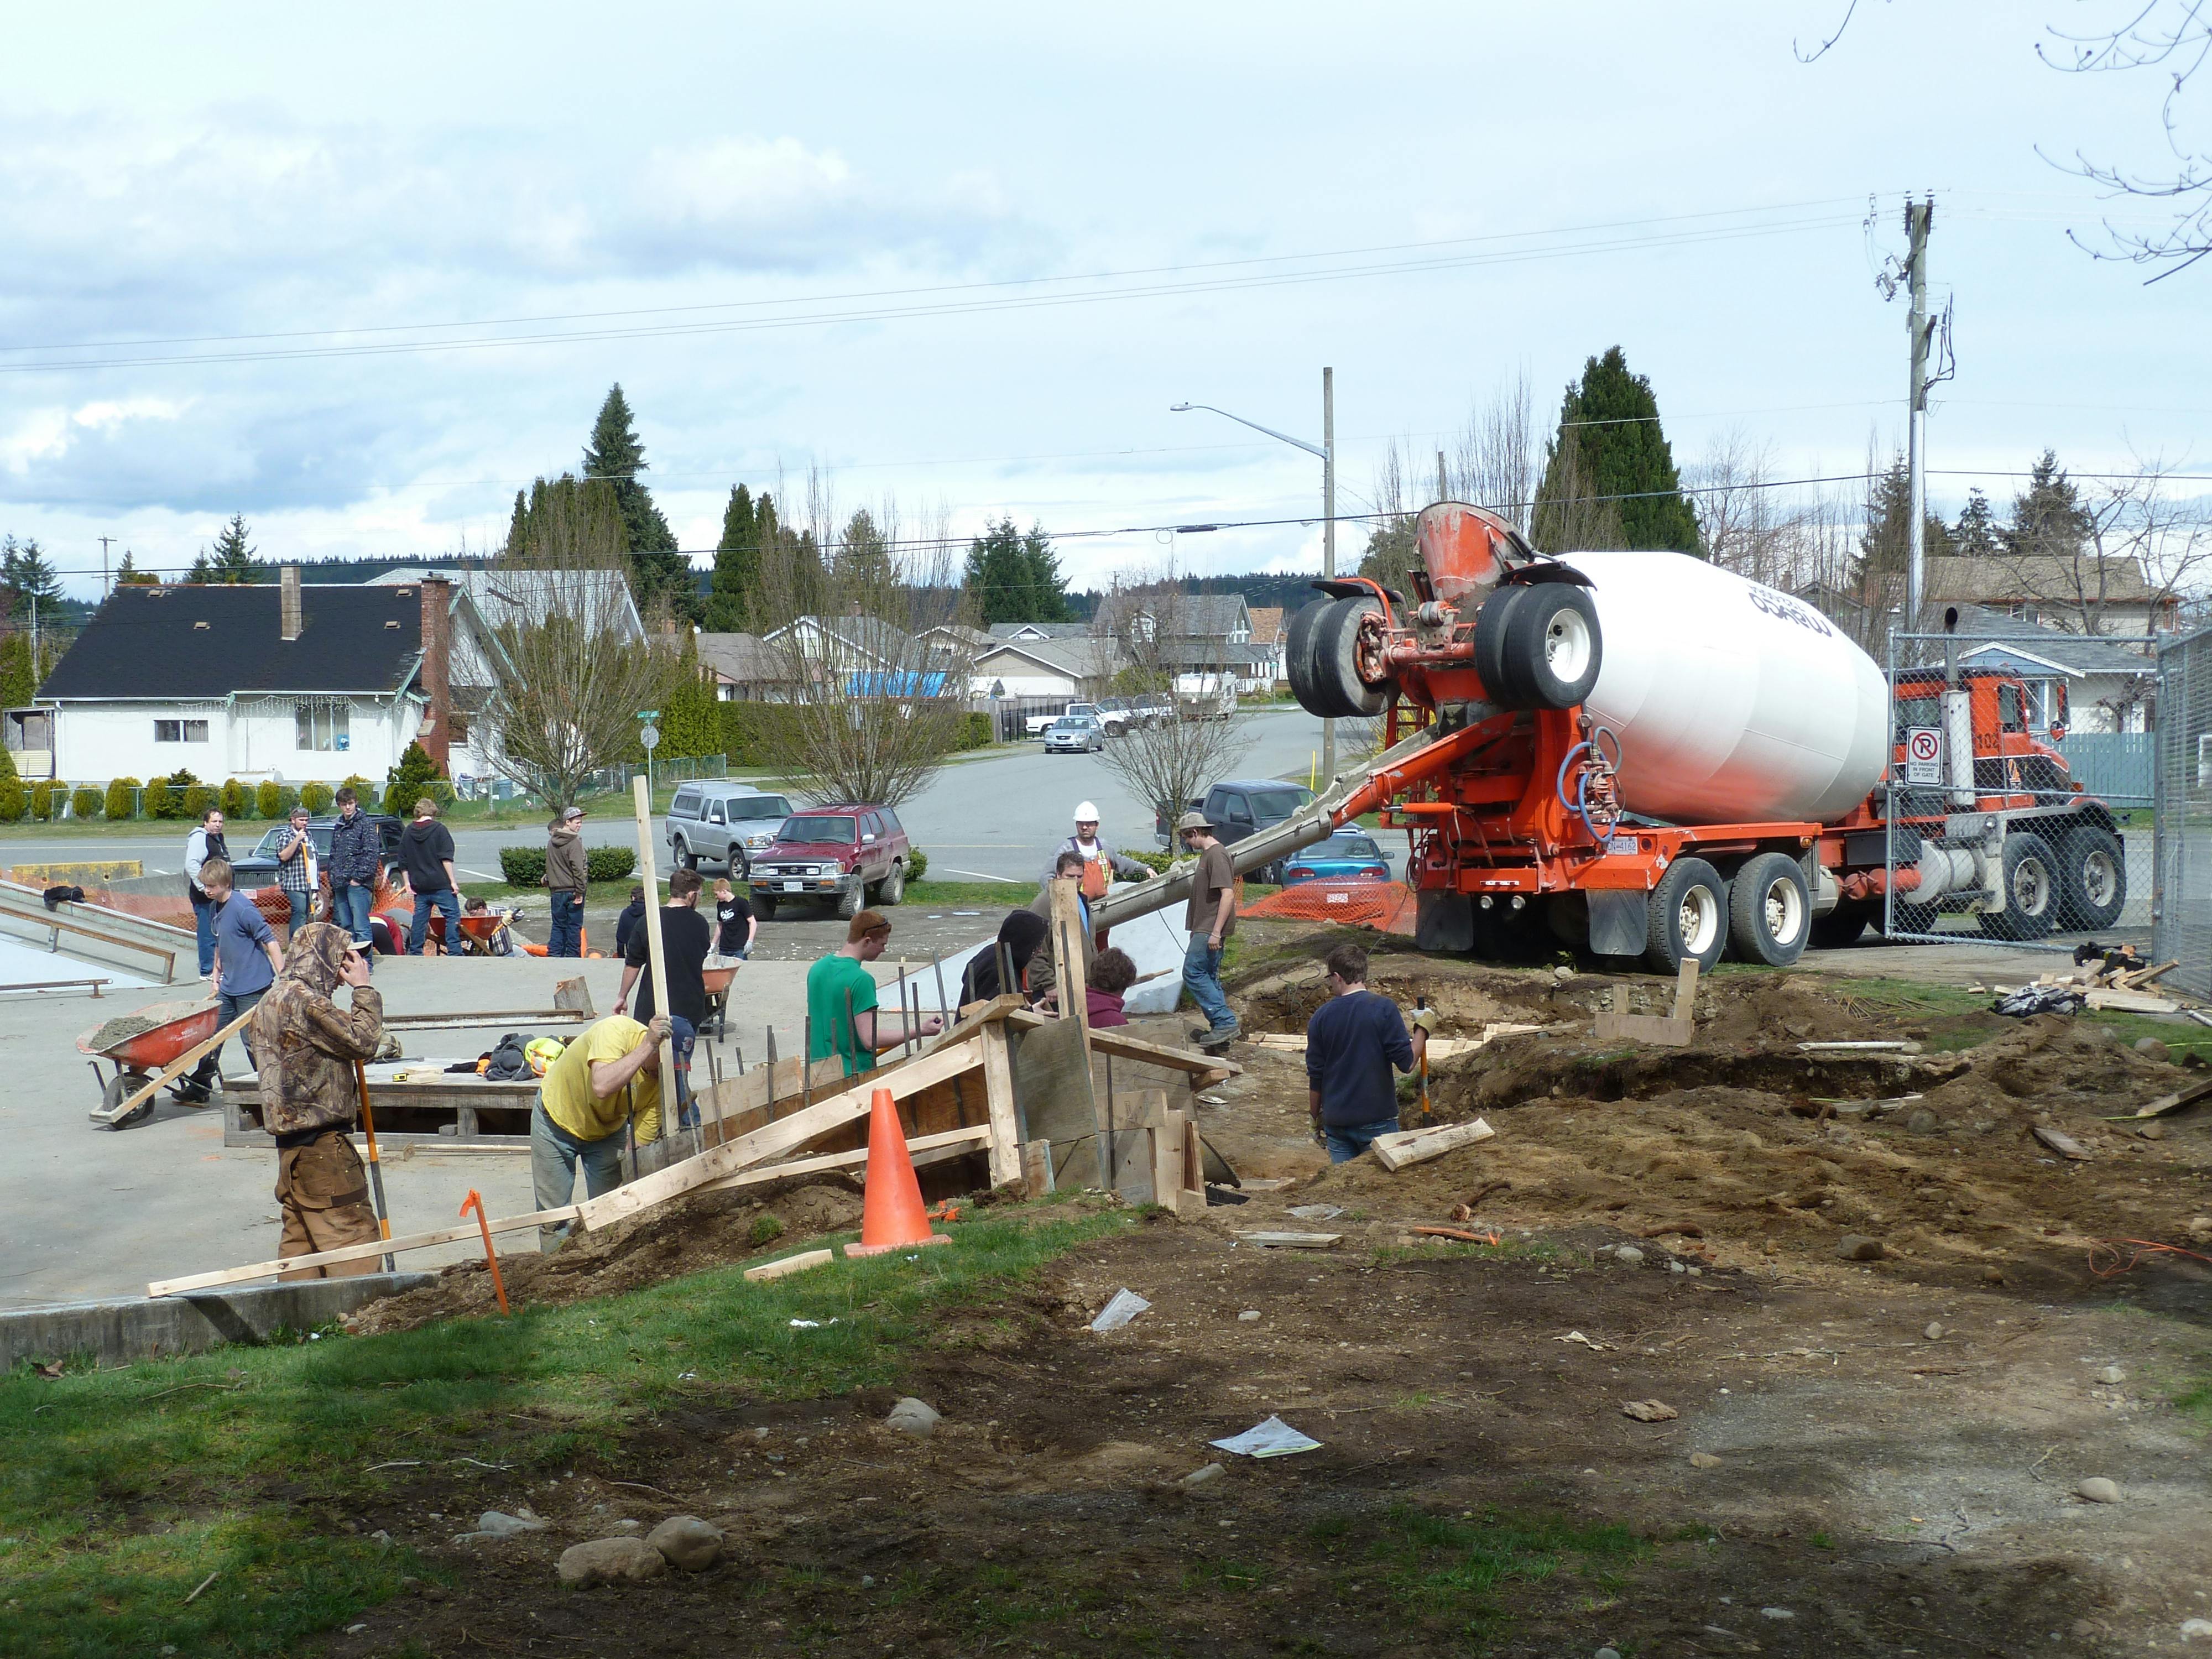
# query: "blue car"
{"type": "Point", "coordinates": [1348, 855]}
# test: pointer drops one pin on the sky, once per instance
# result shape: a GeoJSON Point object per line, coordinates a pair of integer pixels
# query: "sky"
{"type": "Point", "coordinates": [361, 276]}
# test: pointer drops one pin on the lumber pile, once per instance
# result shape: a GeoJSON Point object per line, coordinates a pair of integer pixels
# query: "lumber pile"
{"type": "Point", "coordinates": [1673, 1030]}
{"type": "Point", "coordinates": [2118, 981]}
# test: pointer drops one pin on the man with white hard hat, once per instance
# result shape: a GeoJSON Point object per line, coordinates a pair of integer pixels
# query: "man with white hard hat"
{"type": "Point", "coordinates": [1101, 866]}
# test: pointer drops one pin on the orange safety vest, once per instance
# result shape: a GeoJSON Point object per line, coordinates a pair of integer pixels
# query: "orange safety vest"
{"type": "Point", "coordinates": [1096, 873]}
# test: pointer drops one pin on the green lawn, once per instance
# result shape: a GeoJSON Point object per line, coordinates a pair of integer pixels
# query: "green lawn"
{"type": "Point", "coordinates": [122, 1490]}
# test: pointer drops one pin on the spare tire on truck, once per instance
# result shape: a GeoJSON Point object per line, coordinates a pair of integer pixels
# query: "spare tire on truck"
{"type": "Point", "coordinates": [1324, 653]}
{"type": "Point", "coordinates": [1297, 653]}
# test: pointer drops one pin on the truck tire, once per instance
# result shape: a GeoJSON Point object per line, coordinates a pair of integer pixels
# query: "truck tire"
{"type": "Point", "coordinates": [1843, 925]}
{"type": "Point", "coordinates": [1689, 917]}
{"type": "Point", "coordinates": [1337, 691]}
{"type": "Point", "coordinates": [763, 907]}
{"type": "Point", "coordinates": [680, 850]}
{"type": "Point", "coordinates": [2093, 879]}
{"type": "Point", "coordinates": [892, 888]}
{"type": "Point", "coordinates": [2030, 889]}
{"type": "Point", "coordinates": [848, 902]}
{"type": "Point", "coordinates": [1552, 648]}
{"type": "Point", "coordinates": [1770, 911]}
{"type": "Point", "coordinates": [1490, 625]}
{"type": "Point", "coordinates": [1298, 654]}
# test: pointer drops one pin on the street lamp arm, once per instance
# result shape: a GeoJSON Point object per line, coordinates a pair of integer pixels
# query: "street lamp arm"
{"type": "Point", "coordinates": [1300, 443]}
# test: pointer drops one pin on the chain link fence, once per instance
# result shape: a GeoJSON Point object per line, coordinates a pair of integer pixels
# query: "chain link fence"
{"type": "Point", "coordinates": [2001, 825]}
{"type": "Point", "coordinates": [2181, 901]}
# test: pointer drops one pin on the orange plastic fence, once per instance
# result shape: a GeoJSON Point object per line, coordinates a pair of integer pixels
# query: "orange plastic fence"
{"type": "Point", "coordinates": [1388, 907]}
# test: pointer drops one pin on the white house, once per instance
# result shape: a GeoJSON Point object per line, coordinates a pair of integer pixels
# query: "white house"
{"type": "Point", "coordinates": [1068, 668]}
{"type": "Point", "coordinates": [277, 681]}
{"type": "Point", "coordinates": [2109, 683]}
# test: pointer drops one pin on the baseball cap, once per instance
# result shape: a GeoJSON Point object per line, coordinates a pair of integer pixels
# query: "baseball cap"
{"type": "Point", "coordinates": [867, 922]}
{"type": "Point", "coordinates": [573, 812]}
{"type": "Point", "coordinates": [1192, 821]}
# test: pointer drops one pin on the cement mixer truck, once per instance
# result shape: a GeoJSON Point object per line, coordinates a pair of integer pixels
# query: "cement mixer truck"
{"type": "Point", "coordinates": [1641, 754]}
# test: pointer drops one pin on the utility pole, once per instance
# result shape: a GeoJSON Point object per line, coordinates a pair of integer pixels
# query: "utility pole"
{"type": "Point", "coordinates": [1443, 488]}
{"type": "Point", "coordinates": [1329, 533]}
{"type": "Point", "coordinates": [104, 541]}
{"type": "Point", "coordinates": [1917, 217]}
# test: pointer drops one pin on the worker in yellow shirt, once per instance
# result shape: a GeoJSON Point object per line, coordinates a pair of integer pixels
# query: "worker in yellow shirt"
{"type": "Point", "coordinates": [606, 1080]}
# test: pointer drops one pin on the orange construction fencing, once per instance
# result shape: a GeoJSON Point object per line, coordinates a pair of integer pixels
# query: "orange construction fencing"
{"type": "Point", "coordinates": [1388, 907]}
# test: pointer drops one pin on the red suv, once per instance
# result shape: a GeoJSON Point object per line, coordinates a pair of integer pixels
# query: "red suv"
{"type": "Point", "coordinates": [845, 855]}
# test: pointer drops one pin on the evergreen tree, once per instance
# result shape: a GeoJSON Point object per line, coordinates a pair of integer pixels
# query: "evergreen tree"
{"type": "Point", "coordinates": [18, 681]}
{"type": "Point", "coordinates": [230, 559]}
{"type": "Point", "coordinates": [566, 500]}
{"type": "Point", "coordinates": [128, 574]}
{"type": "Point", "coordinates": [1977, 531]}
{"type": "Point", "coordinates": [518, 527]}
{"type": "Point", "coordinates": [1014, 577]}
{"type": "Point", "coordinates": [735, 583]}
{"type": "Point", "coordinates": [2047, 517]}
{"type": "Point", "coordinates": [1610, 447]}
{"type": "Point", "coordinates": [1885, 541]}
{"type": "Point", "coordinates": [27, 573]}
{"type": "Point", "coordinates": [658, 571]}
{"type": "Point", "coordinates": [863, 558]}
{"type": "Point", "coordinates": [1048, 588]}
{"type": "Point", "coordinates": [410, 780]}
{"type": "Point", "coordinates": [690, 717]}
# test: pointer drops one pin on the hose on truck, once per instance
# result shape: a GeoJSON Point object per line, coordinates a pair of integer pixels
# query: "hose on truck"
{"type": "Point", "coordinates": [1595, 762]}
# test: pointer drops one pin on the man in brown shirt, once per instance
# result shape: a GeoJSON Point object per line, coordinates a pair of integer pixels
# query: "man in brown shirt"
{"type": "Point", "coordinates": [304, 1049]}
{"type": "Point", "coordinates": [1211, 918]}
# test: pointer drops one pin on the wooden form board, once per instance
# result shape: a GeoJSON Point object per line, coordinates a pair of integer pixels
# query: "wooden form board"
{"type": "Point", "coordinates": [2131, 1002]}
{"type": "Point", "coordinates": [657, 957]}
{"type": "Point", "coordinates": [1673, 1030]}
{"type": "Point", "coordinates": [355, 1253]}
{"type": "Point", "coordinates": [118, 929]}
{"type": "Point", "coordinates": [1395, 1151]}
{"type": "Point", "coordinates": [1206, 1069]}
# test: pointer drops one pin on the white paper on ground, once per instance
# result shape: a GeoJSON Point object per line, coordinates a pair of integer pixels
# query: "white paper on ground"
{"type": "Point", "coordinates": [1273, 1438]}
{"type": "Point", "coordinates": [1125, 1307]}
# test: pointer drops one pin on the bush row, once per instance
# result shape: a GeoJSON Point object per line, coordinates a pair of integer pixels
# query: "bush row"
{"type": "Point", "coordinates": [525, 866]}
{"type": "Point", "coordinates": [182, 798]}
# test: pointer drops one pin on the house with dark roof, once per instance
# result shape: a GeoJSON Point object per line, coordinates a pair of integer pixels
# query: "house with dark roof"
{"type": "Point", "coordinates": [2110, 684]}
{"type": "Point", "coordinates": [285, 682]}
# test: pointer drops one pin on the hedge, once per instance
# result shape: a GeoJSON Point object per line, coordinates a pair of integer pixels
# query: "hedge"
{"type": "Point", "coordinates": [42, 801]}
{"type": "Point", "coordinates": [234, 800]}
{"type": "Point", "coordinates": [525, 866]}
{"type": "Point", "coordinates": [974, 732]}
{"type": "Point", "coordinates": [119, 804]}
{"type": "Point", "coordinates": [11, 796]}
{"type": "Point", "coordinates": [316, 797]}
{"type": "Point", "coordinates": [199, 800]}
{"type": "Point", "coordinates": [269, 800]}
{"type": "Point", "coordinates": [86, 803]}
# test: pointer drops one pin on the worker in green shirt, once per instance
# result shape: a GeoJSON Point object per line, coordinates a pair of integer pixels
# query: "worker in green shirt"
{"type": "Point", "coordinates": [841, 1001]}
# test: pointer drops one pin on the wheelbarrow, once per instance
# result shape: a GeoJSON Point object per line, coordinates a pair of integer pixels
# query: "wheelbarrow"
{"type": "Point", "coordinates": [477, 933]}
{"type": "Point", "coordinates": [145, 1057]}
{"type": "Point", "coordinates": [718, 996]}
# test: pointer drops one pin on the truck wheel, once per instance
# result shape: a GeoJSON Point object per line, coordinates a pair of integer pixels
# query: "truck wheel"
{"type": "Point", "coordinates": [763, 907]}
{"type": "Point", "coordinates": [1490, 625]}
{"type": "Point", "coordinates": [892, 888]}
{"type": "Point", "coordinates": [2093, 879]}
{"type": "Point", "coordinates": [1335, 689]}
{"type": "Point", "coordinates": [848, 902]}
{"type": "Point", "coordinates": [1689, 917]}
{"type": "Point", "coordinates": [2030, 887]}
{"type": "Point", "coordinates": [1843, 925]}
{"type": "Point", "coordinates": [1298, 654]}
{"type": "Point", "coordinates": [683, 854]}
{"type": "Point", "coordinates": [1551, 650]}
{"type": "Point", "coordinates": [1770, 912]}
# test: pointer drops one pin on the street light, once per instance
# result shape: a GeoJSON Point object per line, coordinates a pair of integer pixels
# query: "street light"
{"type": "Point", "coordinates": [1326, 449]}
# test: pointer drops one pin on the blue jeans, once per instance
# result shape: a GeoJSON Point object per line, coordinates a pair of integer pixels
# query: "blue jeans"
{"type": "Point", "coordinates": [203, 929]}
{"type": "Point", "coordinates": [1201, 976]}
{"type": "Point", "coordinates": [682, 1039]}
{"type": "Point", "coordinates": [228, 1008]}
{"type": "Point", "coordinates": [303, 910]}
{"type": "Point", "coordinates": [567, 939]}
{"type": "Point", "coordinates": [554, 1155]}
{"type": "Point", "coordinates": [350, 902]}
{"type": "Point", "coordinates": [1347, 1140]}
{"type": "Point", "coordinates": [446, 900]}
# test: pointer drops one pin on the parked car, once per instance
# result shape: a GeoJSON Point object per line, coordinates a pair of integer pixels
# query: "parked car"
{"type": "Point", "coordinates": [258, 867]}
{"type": "Point", "coordinates": [1348, 855]}
{"type": "Point", "coordinates": [1074, 734]}
{"type": "Point", "coordinates": [843, 855]}
{"type": "Point", "coordinates": [724, 824]}
{"type": "Point", "coordinates": [1038, 725]}
{"type": "Point", "coordinates": [1240, 806]}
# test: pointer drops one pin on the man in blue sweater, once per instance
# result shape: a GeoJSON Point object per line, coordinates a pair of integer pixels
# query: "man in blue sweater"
{"type": "Point", "coordinates": [1352, 1043]}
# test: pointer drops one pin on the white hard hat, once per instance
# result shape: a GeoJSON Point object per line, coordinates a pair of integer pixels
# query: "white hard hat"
{"type": "Point", "coordinates": [1086, 812]}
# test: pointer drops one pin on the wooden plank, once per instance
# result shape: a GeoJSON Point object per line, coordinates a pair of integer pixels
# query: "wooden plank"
{"type": "Point", "coordinates": [2142, 976]}
{"type": "Point", "coordinates": [2064, 1145]}
{"type": "Point", "coordinates": [1292, 1241]}
{"type": "Point", "coordinates": [1657, 1029]}
{"type": "Point", "coordinates": [2174, 1102]}
{"type": "Point", "coordinates": [1008, 1150]}
{"type": "Point", "coordinates": [176, 1067]}
{"type": "Point", "coordinates": [1112, 1041]}
{"type": "Point", "coordinates": [1686, 990]}
{"type": "Point", "coordinates": [573, 996]}
{"type": "Point", "coordinates": [355, 1253]}
{"type": "Point", "coordinates": [656, 955]}
{"type": "Point", "coordinates": [1036, 1169]}
{"type": "Point", "coordinates": [1075, 1003]}
{"type": "Point", "coordinates": [1194, 1164]}
{"type": "Point", "coordinates": [514, 1017]}
{"type": "Point", "coordinates": [789, 1265]}
{"type": "Point", "coordinates": [1855, 1047]}
{"type": "Point", "coordinates": [2131, 1002]}
{"type": "Point", "coordinates": [1166, 1145]}
{"type": "Point", "coordinates": [1396, 1151]}
{"type": "Point", "coordinates": [1439, 1048]}
{"type": "Point", "coordinates": [42, 917]}
{"type": "Point", "coordinates": [923, 1149]}
{"type": "Point", "coordinates": [784, 1134]}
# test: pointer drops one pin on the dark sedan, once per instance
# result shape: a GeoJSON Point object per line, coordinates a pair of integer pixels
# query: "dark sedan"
{"type": "Point", "coordinates": [258, 867]}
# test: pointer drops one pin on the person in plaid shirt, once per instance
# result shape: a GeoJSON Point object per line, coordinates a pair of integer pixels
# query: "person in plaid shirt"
{"type": "Point", "coordinates": [296, 869]}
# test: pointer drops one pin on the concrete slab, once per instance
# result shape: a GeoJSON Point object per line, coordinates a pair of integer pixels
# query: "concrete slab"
{"type": "Point", "coordinates": [125, 1330]}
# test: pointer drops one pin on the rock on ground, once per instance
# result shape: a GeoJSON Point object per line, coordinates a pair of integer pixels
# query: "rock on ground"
{"type": "Point", "coordinates": [611, 1561]}
{"type": "Point", "coordinates": [687, 1542]}
{"type": "Point", "coordinates": [915, 1417]}
{"type": "Point", "coordinates": [1857, 1246]}
{"type": "Point", "coordinates": [2098, 1489]}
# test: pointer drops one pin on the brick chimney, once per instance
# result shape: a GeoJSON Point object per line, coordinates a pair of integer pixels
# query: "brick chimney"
{"type": "Point", "coordinates": [437, 667]}
{"type": "Point", "coordinates": [287, 580]}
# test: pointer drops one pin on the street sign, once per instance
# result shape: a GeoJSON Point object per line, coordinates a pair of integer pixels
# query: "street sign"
{"type": "Point", "coordinates": [648, 713]}
{"type": "Point", "coordinates": [1923, 755]}
{"type": "Point", "coordinates": [650, 736]}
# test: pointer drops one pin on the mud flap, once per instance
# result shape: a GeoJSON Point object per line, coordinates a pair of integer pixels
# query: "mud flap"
{"type": "Point", "coordinates": [1619, 923]}
{"type": "Point", "coordinates": [1443, 921]}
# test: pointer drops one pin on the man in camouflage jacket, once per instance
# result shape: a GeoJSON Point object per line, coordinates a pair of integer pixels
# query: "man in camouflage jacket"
{"type": "Point", "coordinates": [305, 1048]}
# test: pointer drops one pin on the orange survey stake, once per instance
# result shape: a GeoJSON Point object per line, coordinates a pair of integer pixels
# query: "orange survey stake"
{"type": "Point", "coordinates": [474, 1202]}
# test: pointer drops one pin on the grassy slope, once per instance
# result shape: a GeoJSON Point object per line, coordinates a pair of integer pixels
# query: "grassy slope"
{"type": "Point", "coordinates": [122, 1490]}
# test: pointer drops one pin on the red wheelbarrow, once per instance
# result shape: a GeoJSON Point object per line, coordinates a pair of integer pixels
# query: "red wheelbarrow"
{"type": "Point", "coordinates": [144, 1053]}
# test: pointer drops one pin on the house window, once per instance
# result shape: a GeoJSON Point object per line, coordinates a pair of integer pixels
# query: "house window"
{"type": "Point", "coordinates": [323, 727]}
{"type": "Point", "coordinates": [180, 732]}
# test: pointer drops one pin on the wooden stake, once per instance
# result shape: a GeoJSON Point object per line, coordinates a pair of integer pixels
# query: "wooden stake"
{"type": "Point", "coordinates": [474, 1202]}
{"type": "Point", "coordinates": [375, 1168]}
{"type": "Point", "coordinates": [642, 799]}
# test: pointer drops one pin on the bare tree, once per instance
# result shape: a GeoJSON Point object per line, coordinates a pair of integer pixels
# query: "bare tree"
{"type": "Point", "coordinates": [1141, 645]}
{"type": "Point", "coordinates": [575, 672]}
{"type": "Point", "coordinates": [2130, 543]}
{"type": "Point", "coordinates": [1496, 458]}
{"type": "Point", "coordinates": [1577, 520]}
{"type": "Point", "coordinates": [883, 680]}
{"type": "Point", "coordinates": [1746, 527]}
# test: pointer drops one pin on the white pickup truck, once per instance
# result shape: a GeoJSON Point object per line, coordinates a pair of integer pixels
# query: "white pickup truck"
{"type": "Point", "coordinates": [1112, 719]}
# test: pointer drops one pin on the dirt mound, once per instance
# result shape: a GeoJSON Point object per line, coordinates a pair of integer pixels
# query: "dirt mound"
{"type": "Point", "coordinates": [709, 1229]}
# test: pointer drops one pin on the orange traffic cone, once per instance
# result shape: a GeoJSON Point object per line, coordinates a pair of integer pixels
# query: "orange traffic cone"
{"type": "Point", "coordinates": [891, 1215]}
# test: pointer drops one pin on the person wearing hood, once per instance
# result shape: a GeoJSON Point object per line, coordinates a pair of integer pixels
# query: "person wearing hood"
{"type": "Point", "coordinates": [426, 853]}
{"type": "Point", "coordinates": [566, 873]}
{"type": "Point", "coordinates": [1002, 966]}
{"type": "Point", "coordinates": [304, 1048]}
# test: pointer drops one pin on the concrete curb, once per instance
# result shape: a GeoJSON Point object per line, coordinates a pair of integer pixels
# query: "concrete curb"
{"type": "Point", "coordinates": [131, 1328]}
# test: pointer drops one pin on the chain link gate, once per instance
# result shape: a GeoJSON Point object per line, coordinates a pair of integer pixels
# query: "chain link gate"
{"type": "Point", "coordinates": [1989, 834]}
{"type": "Point", "coordinates": [2181, 904]}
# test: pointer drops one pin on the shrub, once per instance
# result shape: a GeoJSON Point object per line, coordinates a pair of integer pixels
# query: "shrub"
{"type": "Point", "coordinates": [161, 800]}
{"type": "Point", "coordinates": [974, 731]}
{"type": "Point", "coordinates": [121, 801]}
{"type": "Point", "coordinates": [12, 800]}
{"type": "Point", "coordinates": [917, 864]}
{"type": "Point", "coordinates": [42, 801]}
{"type": "Point", "coordinates": [269, 800]}
{"type": "Point", "coordinates": [743, 726]}
{"type": "Point", "coordinates": [364, 791]}
{"type": "Point", "coordinates": [86, 803]}
{"type": "Point", "coordinates": [601, 863]}
{"type": "Point", "coordinates": [317, 796]}
{"type": "Point", "coordinates": [525, 866]}
{"type": "Point", "coordinates": [235, 799]}
{"type": "Point", "coordinates": [410, 780]}
{"type": "Point", "coordinates": [1153, 859]}
{"type": "Point", "coordinates": [199, 799]}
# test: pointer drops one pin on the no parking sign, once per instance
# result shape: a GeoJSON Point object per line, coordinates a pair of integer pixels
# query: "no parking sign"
{"type": "Point", "coordinates": [1923, 755]}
